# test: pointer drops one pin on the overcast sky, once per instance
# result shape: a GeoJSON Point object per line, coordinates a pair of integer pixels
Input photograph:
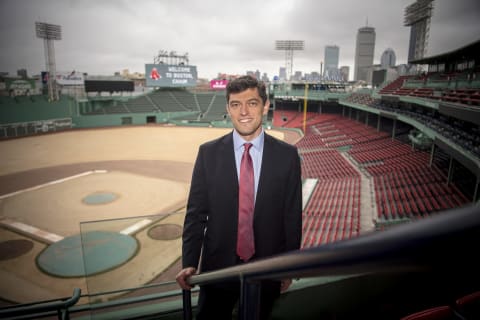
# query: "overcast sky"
{"type": "Point", "coordinates": [102, 37]}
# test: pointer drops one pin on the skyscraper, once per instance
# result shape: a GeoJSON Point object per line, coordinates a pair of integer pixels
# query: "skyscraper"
{"type": "Point", "coordinates": [282, 73]}
{"type": "Point", "coordinates": [364, 50]}
{"type": "Point", "coordinates": [345, 72]}
{"type": "Point", "coordinates": [331, 61]}
{"type": "Point", "coordinates": [388, 59]}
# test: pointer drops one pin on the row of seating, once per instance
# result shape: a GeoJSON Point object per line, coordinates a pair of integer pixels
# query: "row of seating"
{"type": "Point", "coordinates": [209, 106]}
{"type": "Point", "coordinates": [466, 307]}
{"type": "Point", "coordinates": [167, 101]}
{"type": "Point", "coordinates": [292, 120]}
{"type": "Point", "coordinates": [414, 201]}
{"type": "Point", "coordinates": [405, 186]}
{"type": "Point", "coordinates": [393, 86]}
{"type": "Point", "coordinates": [141, 104]}
{"type": "Point", "coordinates": [325, 164]}
{"type": "Point", "coordinates": [360, 98]}
{"type": "Point", "coordinates": [387, 151]}
{"type": "Point", "coordinates": [333, 213]}
{"type": "Point", "coordinates": [384, 157]}
{"type": "Point", "coordinates": [464, 136]}
{"type": "Point", "coordinates": [432, 87]}
{"type": "Point", "coordinates": [295, 119]}
{"type": "Point", "coordinates": [356, 133]}
{"type": "Point", "coordinates": [405, 161]}
{"type": "Point", "coordinates": [379, 144]}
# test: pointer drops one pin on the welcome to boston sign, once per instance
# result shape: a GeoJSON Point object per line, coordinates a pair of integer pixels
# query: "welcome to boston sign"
{"type": "Point", "coordinates": [164, 75]}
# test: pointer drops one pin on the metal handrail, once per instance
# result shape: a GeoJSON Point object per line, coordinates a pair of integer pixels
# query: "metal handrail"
{"type": "Point", "coordinates": [419, 246]}
{"type": "Point", "coordinates": [33, 309]}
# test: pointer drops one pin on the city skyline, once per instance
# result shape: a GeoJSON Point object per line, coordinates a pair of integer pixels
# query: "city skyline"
{"type": "Point", "coordinates": [107, 37]}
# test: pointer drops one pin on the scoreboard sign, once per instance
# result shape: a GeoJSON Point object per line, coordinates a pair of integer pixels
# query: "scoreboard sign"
{"type": "Point", "coordinates": [20, 86]}
{"type": "Point", "coordinates": [164, 75]}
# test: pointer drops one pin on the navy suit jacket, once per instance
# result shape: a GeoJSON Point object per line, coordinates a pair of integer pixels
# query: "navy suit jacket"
{"type": "Point", "coordinates": [212, 209]}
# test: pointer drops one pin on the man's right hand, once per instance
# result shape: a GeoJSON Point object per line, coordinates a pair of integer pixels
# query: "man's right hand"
{"type": "Point", "coordinates": [182, 277]}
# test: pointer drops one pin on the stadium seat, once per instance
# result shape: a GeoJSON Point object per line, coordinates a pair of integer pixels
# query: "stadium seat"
{"type": "Point", "coordinates": [435, 313]}
{"type": "Point", "coordinates": [469, 305]}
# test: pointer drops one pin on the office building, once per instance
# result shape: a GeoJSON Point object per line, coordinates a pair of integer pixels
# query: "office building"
{"type": "Point", "coordinates": [331, 61]}
{"type": "Point", "coordinates": [388, 59]}
{"type": "Point", "coordinates": [364, 51]}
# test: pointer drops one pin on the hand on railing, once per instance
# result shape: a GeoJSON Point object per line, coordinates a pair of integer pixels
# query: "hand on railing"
{"type": "Point", "coordinates": [182, 277]}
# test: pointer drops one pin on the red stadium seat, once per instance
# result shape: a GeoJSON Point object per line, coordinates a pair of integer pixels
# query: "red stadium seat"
{"type": "Point", "coordinates": [435, 313]}
{"type": "Point", "coordinates": [469, 305]}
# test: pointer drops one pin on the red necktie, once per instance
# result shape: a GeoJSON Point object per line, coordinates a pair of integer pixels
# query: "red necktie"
{"type": "Point", "coordinates": [246, 196]}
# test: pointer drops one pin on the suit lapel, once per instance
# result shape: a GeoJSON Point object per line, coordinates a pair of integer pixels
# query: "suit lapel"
{"type": "Point", "coordinates": [227, 155]}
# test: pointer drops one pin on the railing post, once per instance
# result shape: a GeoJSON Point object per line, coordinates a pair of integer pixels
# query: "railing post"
{"type": "Point", "coordinates": [187, 304]}
{"type": "Point", "coordinates": [249, 304]}
{"type": "Point", "coordinates": [65, 315]}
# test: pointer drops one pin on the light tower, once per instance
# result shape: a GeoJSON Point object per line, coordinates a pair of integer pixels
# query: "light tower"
{"type": "Point", "coordinates": [417, 17]}
{"type": "Point", "coordinates": [289, 46]}
{"type": "Point", "coordinates": [49, 32]}
{"type": "Point", "coordinates": [171, 58]}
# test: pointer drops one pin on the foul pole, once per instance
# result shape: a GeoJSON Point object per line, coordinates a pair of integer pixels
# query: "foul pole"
{"type": "Point", "coordinates": [305, 109]}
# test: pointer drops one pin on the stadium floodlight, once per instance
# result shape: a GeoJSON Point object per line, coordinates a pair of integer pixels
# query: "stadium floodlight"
{"type": "Point", "coordinates": [163, 53]}
{"type": "Point", "coordinates": [171, 58]}
{"type": "Point", "coordinates": [289, 46]}
{"type": "Point", "coordinates": [418, 16]}
{"type": "Point", "coordinates": [422, 9]}
{"type": "Point", "coordinates": [49, 32]}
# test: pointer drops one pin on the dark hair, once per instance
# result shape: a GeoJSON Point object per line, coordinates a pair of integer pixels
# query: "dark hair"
{"type": "Point", "coordinates": [243, 83]}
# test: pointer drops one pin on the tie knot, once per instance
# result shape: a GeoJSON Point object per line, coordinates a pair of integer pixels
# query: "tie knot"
{"type": "Point", "coordinates": [247, 146]}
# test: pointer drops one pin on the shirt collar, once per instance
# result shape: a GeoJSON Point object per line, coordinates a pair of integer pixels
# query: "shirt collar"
{"type": "Point", "coordinates": [238, 141]}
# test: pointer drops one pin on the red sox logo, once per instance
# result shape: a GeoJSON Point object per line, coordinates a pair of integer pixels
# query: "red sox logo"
{"type": "Point", "coordinates": [154, 75]}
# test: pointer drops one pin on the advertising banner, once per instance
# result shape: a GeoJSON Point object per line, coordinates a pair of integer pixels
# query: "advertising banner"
{"type": "Point", "coordinates": [164, 75]}
{"type": "Point", "coordinates": [20, 85]}
{"type": "Point", "coordinates": [218, 84]}
{"type": "Point", "coordinates": [71, 78]}
{"type": "Point", "coordinates": [44, 77]}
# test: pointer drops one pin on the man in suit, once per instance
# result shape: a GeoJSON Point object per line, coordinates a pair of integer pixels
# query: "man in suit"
{"type": "Point", "coordinates": [212, 217]}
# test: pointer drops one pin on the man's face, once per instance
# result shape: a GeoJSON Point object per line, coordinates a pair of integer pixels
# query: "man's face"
{"type": "Point", "coordinates": [246, 110]}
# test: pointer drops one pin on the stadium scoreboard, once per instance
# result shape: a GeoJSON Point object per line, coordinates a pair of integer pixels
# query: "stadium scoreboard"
{"type": "Point", "coordinates": [164, 75]}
